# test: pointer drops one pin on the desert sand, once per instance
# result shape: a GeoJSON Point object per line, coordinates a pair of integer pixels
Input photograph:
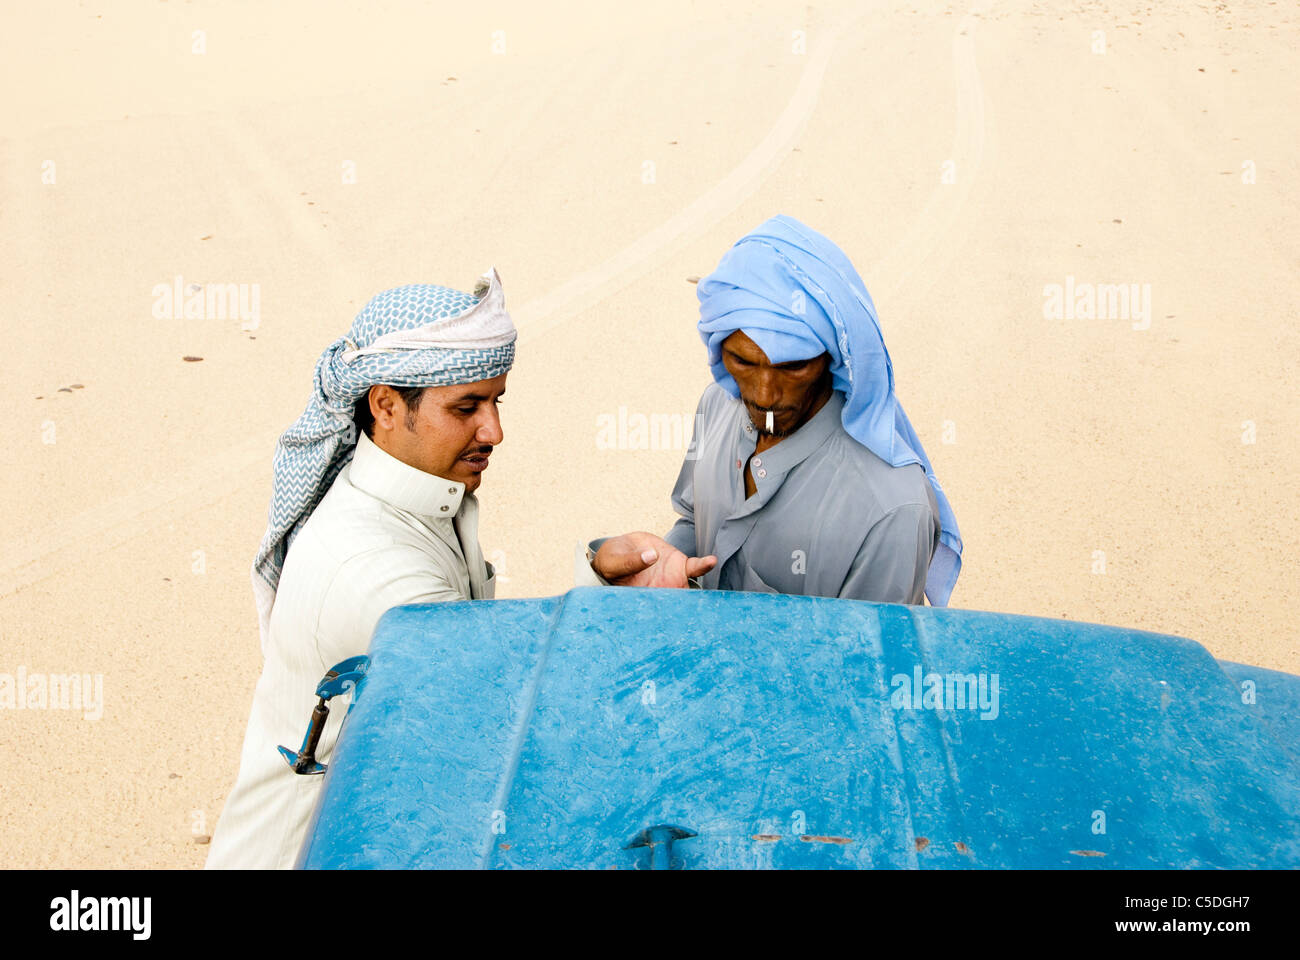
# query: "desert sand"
{"type": "Point", "coordinates": [1131, 467]}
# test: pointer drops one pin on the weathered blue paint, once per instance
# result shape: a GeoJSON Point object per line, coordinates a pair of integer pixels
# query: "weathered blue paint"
{"type": "Point", "coordinates": [780, 730]}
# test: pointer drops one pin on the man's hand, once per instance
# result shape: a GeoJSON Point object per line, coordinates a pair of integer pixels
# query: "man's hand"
{"type": "Point", "coordinates": [643, 560]}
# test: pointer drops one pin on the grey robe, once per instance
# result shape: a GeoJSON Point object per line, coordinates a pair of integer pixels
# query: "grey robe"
{"type": "Point", "coordinates": [829, 518]}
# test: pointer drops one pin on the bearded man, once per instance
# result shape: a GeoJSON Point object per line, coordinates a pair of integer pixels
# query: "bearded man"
{"type": "Point", "coordinates": [804, 475]}
{"type": "Point", "coordinates": [372, 507]}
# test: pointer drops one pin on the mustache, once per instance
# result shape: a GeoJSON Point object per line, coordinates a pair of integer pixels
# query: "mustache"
{"type": "Point", "coordinates": [762, 411]}
{"type": "Point", "coordinates": [478, 452]}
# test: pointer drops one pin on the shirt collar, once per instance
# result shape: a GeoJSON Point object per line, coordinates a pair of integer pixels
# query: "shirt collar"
{"type": "Point", "coordinates": [405, 487]}
{"type": "Point", "coordinates": [797, 447]}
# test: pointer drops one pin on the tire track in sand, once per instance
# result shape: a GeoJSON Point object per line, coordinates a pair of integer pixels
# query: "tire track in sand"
{"type": "Point", "coordinates": [104, 527]}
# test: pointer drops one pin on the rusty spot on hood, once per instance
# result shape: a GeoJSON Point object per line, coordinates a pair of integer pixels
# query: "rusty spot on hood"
{"type": "Point", "coordinates": [767, 837]}
{"type": "Point", "coordinates": [1088, 853]}
{"type": "Point", "coordinates": [818, 838]}
{"type": "Point", "coordinates": [961, 847]}
{"type": "Point", "coordinates": [922, 843]}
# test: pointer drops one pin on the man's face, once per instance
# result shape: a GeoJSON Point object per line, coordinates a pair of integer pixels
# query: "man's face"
{"type": "Point", "coordinates": [792, 391]}
{"type": "Point", "coordinates": [451, 431]}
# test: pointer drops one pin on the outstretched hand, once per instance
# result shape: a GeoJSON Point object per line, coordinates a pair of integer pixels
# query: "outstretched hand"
{"type": "Point", "coordinates": [641, 559]}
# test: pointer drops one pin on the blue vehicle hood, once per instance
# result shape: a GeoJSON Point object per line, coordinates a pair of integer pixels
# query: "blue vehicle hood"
{"type": "Point", "coordinates": [786, 731]}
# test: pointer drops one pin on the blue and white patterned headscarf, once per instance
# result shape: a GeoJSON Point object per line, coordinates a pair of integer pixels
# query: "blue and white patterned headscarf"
{"type": "Point", "coordinates": [796, 295]}
{"type": "Point", "coordinates": [419, 335]}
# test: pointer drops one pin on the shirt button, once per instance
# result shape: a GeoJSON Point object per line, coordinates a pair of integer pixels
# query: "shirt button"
{"type": "Point", "coordinates": [758, 462]}
{"type": "Point", "coordinates": [762, 474]}
{"type": "Point", "coordinates": [443, 508]}
{"type": "Point", "coordinates": [737, 464]}
{"type": "Point", "coordinates": [451, 489]}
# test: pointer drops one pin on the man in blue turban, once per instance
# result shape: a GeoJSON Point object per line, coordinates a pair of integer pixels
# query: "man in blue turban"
{"type": "Point", "coordinates": [372, 507]}
{"type": "Point", "coordinates": [804, 475]}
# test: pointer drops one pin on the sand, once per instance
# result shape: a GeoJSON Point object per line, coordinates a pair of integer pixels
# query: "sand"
{"type": "Point", "coordinates": [1137, 471]}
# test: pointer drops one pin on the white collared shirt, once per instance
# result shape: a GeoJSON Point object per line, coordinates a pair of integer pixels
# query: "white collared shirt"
{"type": "Point", "coordinates": [385, 534]}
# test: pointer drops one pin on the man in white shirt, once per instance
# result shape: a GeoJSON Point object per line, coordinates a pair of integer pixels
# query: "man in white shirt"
{"type": "Point", "coordinates": [399, 432]}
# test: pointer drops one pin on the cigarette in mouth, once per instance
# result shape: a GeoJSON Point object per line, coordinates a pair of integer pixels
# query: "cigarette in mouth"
{"type": "Point", "coordinates": [769, 421]}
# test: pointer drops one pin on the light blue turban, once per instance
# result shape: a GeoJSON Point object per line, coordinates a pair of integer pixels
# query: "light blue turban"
{"type": "Point", "coordinates": [418, 335]}
{"type": "Point", "coordinates": [795, 294]}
